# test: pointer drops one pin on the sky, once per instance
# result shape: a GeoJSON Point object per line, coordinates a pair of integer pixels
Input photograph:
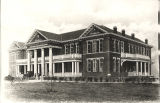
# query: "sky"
{"type": "Point", "coordinates": [19, 18]}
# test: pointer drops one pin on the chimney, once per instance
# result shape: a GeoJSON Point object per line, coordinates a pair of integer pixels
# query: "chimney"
{"type": "Point", "coordinates": [123, 32]}
{"type": "Point", "coordinates": [115, 29]}
{"type": "Point", "coordinates": [146, 41]}
{"type": "Point", "coordinates": [133, 35]}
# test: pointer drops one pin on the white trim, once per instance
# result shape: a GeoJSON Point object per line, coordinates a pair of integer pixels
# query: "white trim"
{"type": "Point", "coordinates": [86, 30]}
{"type": "Point", "coordinates": [42, 34]}
{"type": "Point", "coordinates": [34, 34]}
{"type": "Point", "coordinates": [90, 27]}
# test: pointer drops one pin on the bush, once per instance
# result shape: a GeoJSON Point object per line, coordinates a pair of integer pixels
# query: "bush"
{"type": "Point", "coordinates": [9, 78]}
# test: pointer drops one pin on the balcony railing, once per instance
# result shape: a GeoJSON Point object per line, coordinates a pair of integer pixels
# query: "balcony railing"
{"type": "Point", "coordinates": [57, 57]}
{"type": "Point", "coordinates": [21, 61]}
{"type": "Point", "coordinates": [135, 56]}
{"type": "Point", "coordinates": [67, 75]}
{"type": "Point", "coordinates": [68, 56]}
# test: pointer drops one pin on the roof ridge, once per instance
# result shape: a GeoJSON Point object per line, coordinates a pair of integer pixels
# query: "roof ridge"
{"type": "Point", "coordinates": [46, 31]}
{"type": "Point", "coordinates": [71, 31]}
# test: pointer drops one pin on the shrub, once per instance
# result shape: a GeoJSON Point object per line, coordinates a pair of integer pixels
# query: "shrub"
{"type": "Point", "coordinates": [9, 78]}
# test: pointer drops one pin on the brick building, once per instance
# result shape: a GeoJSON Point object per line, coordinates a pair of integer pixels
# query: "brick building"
{"type": "Point", "coordinates": [96, 51]}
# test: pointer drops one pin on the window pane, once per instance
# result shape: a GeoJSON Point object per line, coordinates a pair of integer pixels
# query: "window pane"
{"type": "Point", "coordinates": [89, 47]}
{"type": "Point", "coordinates": [122, 46]}
{"type": "Point", "coordinates": [94, 65]}
{"type": "Point", "coordinates": [114, 64]}
{"type": "Point", "coordinates": [97, 46]}
{"type": "Point", "coordinates": [97, 65]}
{"type": "Point", "coordinates": [101, 65]}
{"type": "Point", "coordinates": [72, 48]}
{"type": "Point", "coordinates": [101, 45]}
{"type": "Point", "coordinates": [94, 46]}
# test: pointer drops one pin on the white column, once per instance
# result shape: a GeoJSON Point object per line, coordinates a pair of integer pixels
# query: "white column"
{"type": "Point", "coordinates": [53, 68]}
{"type": "Point", "coordinates": [50, 62]}
{"type": "Point", "coordinates": [75, 69]}
{"type": "Point", "coordinates": [29, 61]}
{"type": "Point", "coordinates": [35, 63]}
{"type": "Point", "coordinates": [137, 68]}
{"type": "Point", "coordinates": [72, 68]}
{"type": "Point", "coordinates": [141, 68]}
{"type": "Point", "coordinates": [145, 68]}
{"type": "Point", "coordinates": [62, 68]}
{"type": "Point", "coordinates": [42, 62]}
{"type": "Point", "coordinates": [149, 68]}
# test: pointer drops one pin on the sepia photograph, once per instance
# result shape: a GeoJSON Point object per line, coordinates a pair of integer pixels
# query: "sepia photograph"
{"type": "Point", "coordinates": [80, 51]}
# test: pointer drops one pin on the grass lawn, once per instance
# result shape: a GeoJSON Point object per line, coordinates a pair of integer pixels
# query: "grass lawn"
{"type": "Point", "coordinates": [78, 92]}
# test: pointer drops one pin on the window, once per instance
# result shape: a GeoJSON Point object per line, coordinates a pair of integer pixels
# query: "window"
{"type": "Point", "coordinates": [77, 48]}
{"type": "Point", "coordinates": [114, 64]}
{"type": "Point", "coordinates": [95, 64]}
{"type": "Point", "coordinates": [97, 46]}
{"type": "Point", "coordinates": [135, 49]}
{"type": "Point", "coordinates": [118, 46]}
{"type": "Point", "coordinates": [101, 45]}
{"type": "Point", "coordinates": [146, 52]}
{"type": "Point", "coordinates": [114, 45]}
{"type": "Point", "coordinates": [101, 65]}
{"type": "Point", "coordinates": [122, 46]}
{"type": "Point", "coordinates": [94, 46]}
{"type": "Point", "coordinates": [67, 49]}
{"type": "Point", "coordinates": [90, 66]}
{"type": "Point", "coordinates": [143, 50]}
{"type": "Point", "coordinates": [129, 48]}
{"type": "Point", "coordinates": [71, 48]}
{"type": "Point", "coordinates": [89, 46]}
{"type": "Point", "coordinates": [118, 65]}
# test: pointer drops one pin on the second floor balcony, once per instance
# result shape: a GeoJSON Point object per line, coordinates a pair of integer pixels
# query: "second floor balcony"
{"type": "Point", "coordinates": [55, 58]}
{"type": "Point", "coordinates": [134, 56]}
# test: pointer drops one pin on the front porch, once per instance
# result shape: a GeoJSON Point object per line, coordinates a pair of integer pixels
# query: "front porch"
{"type": "Point", "coordinates": [68, 65]}
{"type": "Point", "coordinates": [135, 68]}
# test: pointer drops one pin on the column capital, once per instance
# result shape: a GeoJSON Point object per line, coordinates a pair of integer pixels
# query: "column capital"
{"type": "Point", "coordinates": [35, 50]}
